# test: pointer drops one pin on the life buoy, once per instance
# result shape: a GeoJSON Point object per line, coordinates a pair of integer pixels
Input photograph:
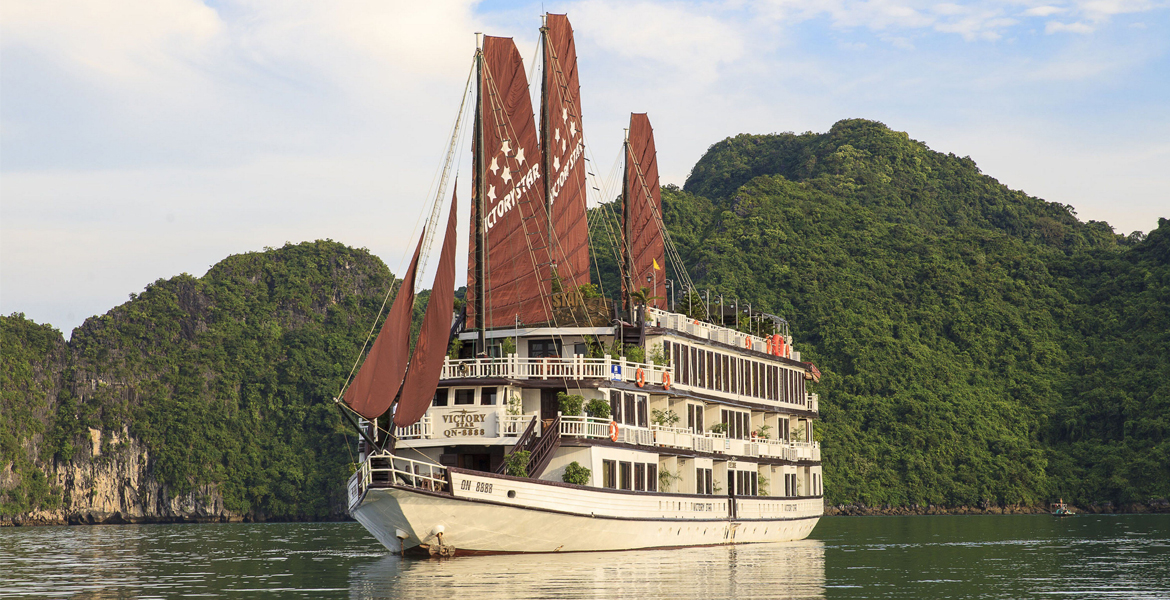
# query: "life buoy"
{"type": "Point", "coordinates": [640, 377]}
{"type": "Point", "coordinates": [613, 430]}
{"type": "Point", "coordinates": [771, 345]}
{"type": "Point", "coordinates": [747, 342]}
{"type": "Point", "coordinates": [666, 380]}
{"type": "Point", "coordinates": [780, 346]}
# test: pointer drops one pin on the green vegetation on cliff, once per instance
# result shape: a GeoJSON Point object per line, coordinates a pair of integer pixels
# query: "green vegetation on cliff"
{"type": "Point", "coordinates": [227, 379]}
{"type": "Point", "coordinates": [956, 321]}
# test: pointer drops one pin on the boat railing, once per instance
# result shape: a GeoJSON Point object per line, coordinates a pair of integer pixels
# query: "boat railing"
{"type": "Point", "coordinates": [631, 434]}
{"type": "Point", "coordinates": [710, 331]}
{"type": "Point", "coordinates": [513, 425]}
{"type": "Point", "coordinates": [574, 367]}
{"type": "Point", "coordinates": [586, 427]}
{"type": "Point", "coordinates": [399, 470]}
{"type": "Point", "coordinates": [673, 437]}
{"type": "Point", "coordinates": [421, 430]}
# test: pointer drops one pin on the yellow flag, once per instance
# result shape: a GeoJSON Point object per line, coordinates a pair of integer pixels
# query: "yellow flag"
{"type": "Point", "coordinates": [656, 267]}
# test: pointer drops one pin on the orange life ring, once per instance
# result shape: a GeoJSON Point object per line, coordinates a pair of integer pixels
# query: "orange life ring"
{"type": "Point", "coordinates": [780, 346]}
{"type": "Point", "coordinates": [640, 377]}
{"type": "Point", "coordinates": [771, 345]}
{"type": "Point", "coordinates": [747, 342]}
{"type": "Point", "coordinates": [666, 380]}
{"type": "Point", "coordinates": [613, 430]}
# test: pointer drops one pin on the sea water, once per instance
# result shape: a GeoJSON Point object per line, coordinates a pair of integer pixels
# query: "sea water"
{"type": "Point", "coordinates": [1036, 556]}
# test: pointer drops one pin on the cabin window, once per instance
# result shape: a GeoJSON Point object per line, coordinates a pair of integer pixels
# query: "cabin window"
{"type": "Point", "coordinates": [488, 396]}
{"type": "Point", "coordinates": [544, 349]}
{"type": "Point", "coordinates": [631, 412]}
{"type": "Point", "coordinates": [652, 478]}
{"type": "Point", "coordinates": [440, 398]}
{"type": "Point", "coordinates": [643, 408]}
{"type": "Point", "coordinates": [711, 370]}
{"type": "Point", "coordinates": [580, 350]}
{"type": "Point", "coordinates": [693, 375]}
{"type": "Point", "coordinates": [609, 473]}
{"type": "Point", "coordinates": [739, 424]}
{"type": "Point", "coordinates": [464, 397]}
{"type": "Point", "coordinates": [639, 477]}
{"type": "Point", "coordinates": [709, 481]}
{"type": "Point", "coordinates": [734, 362]}
{"type": "Point", "coordinates": [626, 475]}
{"type": "Point", "coordinates": [702, 381]}
{"type": "Point", "coordinates": [684, 373]}
{"type": "Point", "coordinates": [755, 477]}
{"type": "Point", "coordinates": [695, 418]}
{"type": "Point", "coordinates": [700, 480]}
{"type": "Point", "coordinates": [615, 406]}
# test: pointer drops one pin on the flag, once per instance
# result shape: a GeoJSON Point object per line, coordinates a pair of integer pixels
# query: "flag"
{"type": "Point", "coordinates": [656, 267]}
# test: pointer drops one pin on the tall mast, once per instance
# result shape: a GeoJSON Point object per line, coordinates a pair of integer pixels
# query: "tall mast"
{"type": "Point", "coordinates": [628, 226]}
{"type": "Point", "coordinates": [481, 206]}
{"type": "Point", "coordinates": [546, 145]}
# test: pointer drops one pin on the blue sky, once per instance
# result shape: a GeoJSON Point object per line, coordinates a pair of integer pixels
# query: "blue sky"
{"type": "Point", "coordinates": [139, 140]}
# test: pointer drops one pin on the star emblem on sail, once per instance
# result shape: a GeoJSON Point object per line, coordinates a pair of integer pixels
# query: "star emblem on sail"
{"type": "Point", "coordinates": [491, 193]}
{"type": "Point", "coordinates": [495, 166]}
{"type": "Point", "coordinates": [520, 156]}
{"type": "Point", "coordinates": [556, 163]}
{"type": "Point", "coordinates": [506, 147]}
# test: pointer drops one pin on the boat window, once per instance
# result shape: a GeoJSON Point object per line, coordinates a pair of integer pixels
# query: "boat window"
{"type": "Point", "coordinates": [580, 350]}
{"type": "Point", "coordinates": [615, 406]}
{"type": "Point", "coordinates": [640, 477]}
{"type": "Point", "coordinates": [543, 349]}
{"type": "Point", "coordinates": [464, 397]}
{"type": "Point", "coordinates": [626, 475]}
{"type": "Point", "coordinates": [734, 368]}
{"type": "Point", "coordinates": [652, 478]}
{"type": "Point", "coordinates": [700, 483]}
{"type": "Point", "coordinates": [609, 473]}
{"type": "Point", "coordinates": [695, 418]}
{"type": "Point", "coordinates": [755, 483]}
{"type": "Point", "coordinates": [440, 397]}
{"type": "Point", "coordinates": [487, 396]}
{"type": "Point", "coordinates": [631, 412]}
{"type": "Point", "coordinates": [711, 370]}
{"type": "Point", "coordinates": [709, 481]}
{"type": "Point", "coordinates": [643, 408]}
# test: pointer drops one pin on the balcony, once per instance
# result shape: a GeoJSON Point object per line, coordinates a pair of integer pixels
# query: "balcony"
{"type": "Point", "coordinates": [575, 367]}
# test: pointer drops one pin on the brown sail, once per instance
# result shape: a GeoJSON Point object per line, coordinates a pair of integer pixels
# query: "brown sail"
{"type": "Point", "coordinates": [378, 381]}
{"type": "Point", "coordinates": [515, 224]}
{"type": "Point", "coordinates": [643, 211]}
{"type": "Point", "coordinates": [427, 363]}
{"type": "Point", "coordinates": [563, 142]}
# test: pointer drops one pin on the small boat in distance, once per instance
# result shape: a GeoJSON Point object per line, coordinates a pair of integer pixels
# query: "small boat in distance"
{"type": "Point", "coordinates": [1060, 509]}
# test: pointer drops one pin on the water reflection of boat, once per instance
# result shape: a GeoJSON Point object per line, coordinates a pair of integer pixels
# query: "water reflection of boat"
{"type": "Point", "coordinates": [1060, 509]}
{"type": "Point", "coordinates": [775, 570]}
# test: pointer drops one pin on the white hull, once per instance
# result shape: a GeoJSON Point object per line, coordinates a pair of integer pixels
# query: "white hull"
{"type": "Point", "coordinates": [547, 517]}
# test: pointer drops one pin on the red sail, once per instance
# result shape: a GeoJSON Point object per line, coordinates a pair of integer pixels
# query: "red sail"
{"type": "Point", "coordinates": [378, 381]}
{"type": "Point", "coordinates": [644, 211]}
{"type": "Point", "coordinates": [563, 143]}
{"type": "Point", "coordinates": [427, 363]}
{"type": "Point", "coordinates": [514, 220]}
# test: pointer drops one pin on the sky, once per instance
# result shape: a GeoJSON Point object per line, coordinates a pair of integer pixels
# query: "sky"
{"type": "Point", "coordinates": [144, 139]}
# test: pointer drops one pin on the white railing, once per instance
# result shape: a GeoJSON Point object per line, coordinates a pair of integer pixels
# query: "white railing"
{"type": "Point", "coordinates": [718, 333]}
{"type": "Point", "coordinates": [575, 367]}
{"type": "Point", "coordinates": [586, 427]}
{"type": "Point", "coordinates": [514, 425]}
{"type": "Point", "coordinates": [813, 401]}
{"type": "Point", "coordinates": [674, 437]}
{"type": "Point", "coordinates": [420, 430]}
{"type": "Point", "coordinates": [390, 469]}
{"type": "Point", "coordinates": [630, 434]}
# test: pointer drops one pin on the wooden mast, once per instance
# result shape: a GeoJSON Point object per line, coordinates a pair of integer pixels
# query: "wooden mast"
{"type": "Point", "coordinates": [481, 207]}
{"type": "Point", "coordinates": [545, 140]}
{"type": "Point", "coordinates": [628, 229]}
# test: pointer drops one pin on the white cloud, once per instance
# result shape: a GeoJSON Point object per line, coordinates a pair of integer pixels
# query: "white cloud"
{"type": "Point", "coordinates": [1057, 27]}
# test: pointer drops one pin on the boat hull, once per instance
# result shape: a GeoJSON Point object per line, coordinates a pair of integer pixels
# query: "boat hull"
{"type": "Point", "coordinates": [404, 518]}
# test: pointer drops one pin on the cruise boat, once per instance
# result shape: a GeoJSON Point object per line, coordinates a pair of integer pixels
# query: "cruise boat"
{"type": "Point", "coordinates": [546, 417]}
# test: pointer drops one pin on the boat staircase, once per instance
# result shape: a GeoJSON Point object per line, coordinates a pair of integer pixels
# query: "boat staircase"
{"type": "Point", "coordinates": [540, 448]}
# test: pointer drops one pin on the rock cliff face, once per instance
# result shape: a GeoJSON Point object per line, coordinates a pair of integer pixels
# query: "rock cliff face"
{"type": "Point", "coordinates": [200, 399]}
{"type": "Point", "coordinates": [117, 487]}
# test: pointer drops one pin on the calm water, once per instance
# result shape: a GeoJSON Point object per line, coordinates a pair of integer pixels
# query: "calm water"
{"type": "Point", "coordinates": [848, 557]}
